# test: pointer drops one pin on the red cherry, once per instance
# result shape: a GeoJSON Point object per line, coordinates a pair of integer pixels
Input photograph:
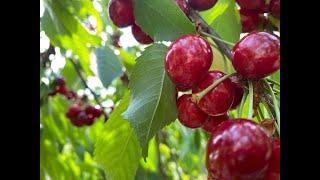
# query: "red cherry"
{"type": "Point", "coordinates": [139, 35]}
{"type": "Point", "coordinates": [255, 5]}
{"type": "Point", "coordinates": [187, 60]}
{"type": "Point", "coordinates": [71, 95]}
{"type": "Point", "coordinates": [95, 112]}
{"type": "Point", "coordinates": [250, 20]}
{"type": "Point", "coordinates": [183, 5]}
{"type": "Point", "coordinates": [275, 8]}
{"type": "Point", "coordinates": [202, 5]}
{"type": "Point", "coordinates": [213, 121]}
{"type": "Point", "coordinates": [73, 111]}
{"type": "Point", "coordinates": [60, 81]}
{"type": "Point", "coordinates": [238, 92]}
{"type": "Point", "coordinates": [62, 90]}
{"type": "Point", "coordinates": [238, 149]}
{"type": "Point", "coordinates": [89, 120]}
{"type": "Point", "coordinates": [80, 119]}
{"type": "Point", "coordinates": [219, 100]}
{"type": "Point", "coordinates": [189, 114]}
{"type": "Point", "coordinates": [121, 12]}
{"type": "Point", "coordinates": [256, 55]}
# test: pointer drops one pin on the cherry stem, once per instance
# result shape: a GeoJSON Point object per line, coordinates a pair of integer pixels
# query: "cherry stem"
{"type": "Point", "coordinates": [96, 98]}
{"type": "Point", "coordinates": [275, 107]}
{"type": "Point", "coordinates": [243, 100]}
{"type": "Point", "coordinates": [197, 97]}
{"type": "Point", "coordinates": [260, 112]}
{"type": "Point", "coordinates": [273, 81]}
{"type": "Point", "coordinates": [250, 106]}
{"type": "Point", "coordinates": [216, 38]}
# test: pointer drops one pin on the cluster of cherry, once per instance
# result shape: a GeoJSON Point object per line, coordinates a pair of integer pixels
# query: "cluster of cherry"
{"type": "Point", "coordinates": [78, 115]}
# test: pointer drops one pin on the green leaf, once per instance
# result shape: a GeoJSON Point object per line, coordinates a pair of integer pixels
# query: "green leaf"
{"type": "Point", "coordinates": [162, 19]}
{"type": "Point", "coordinates": [117, 148]}
{"type": "Point", "coordinates": [153, 103]}
{"type": "Point", "coordinates": [224, 17]}
{"type": "Point", "coordinates": [128, 60]}
{"type": "Point", "coordinates": [108, 65]}
{"type": "Point", "coordinates": [66, 31]}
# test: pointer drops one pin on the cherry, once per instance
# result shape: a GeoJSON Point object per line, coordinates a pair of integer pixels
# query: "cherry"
{"type": "Point", "coordinates": [202, 5]}
{"type": "Point", "coordinates": [238, 91]}
{"type": "Point", "coordinates": [62, 90]}
{"type": "Point", "coordinates": [89, 120]}
{"type": "Point", "coordinates": [139, 35]}
{"type": "Point", "coordinates": [73, 111]}
{"type": "Point", "coordinates": [274, 169]}
{"type": "Point", "coordinates": [256, 55]}
{"type": "Point", "coordinates": [212, 122]}
{"type": "Point", "coordinates": [189, 114]}
{"type": "Point", "coordinates": [121, 12]}
{"type": "Point", "coordinates": [60, 81]}
{"type": "Point", "coordinates": [275, 8]}
{"type": "Point", "coordinates": [219, 100]}
{"type": "Point", "coordinates": [238, 149]}
{"type": "Point", "coordinates": [80, 119]}
{"type": "Point", "coordinates": [187, 60]}
{"type": "Point", "coordinates": [255, 5]}
{"type": "Point", "coordinates": [183, 5]}
{"type": "Point", "coordinates": [71, 95]}
{"type": "Point", "coordinates": [250, 20]}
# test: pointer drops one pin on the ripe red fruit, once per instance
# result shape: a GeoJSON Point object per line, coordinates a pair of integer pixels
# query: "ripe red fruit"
{"type": "Point", "coordinates": [219, 100]}
{"type": "Point", "coordinates": [274, 168]}
{"type": "Point", "coordinates": [139, 35]}
{"type": "Point", "coordinates": [73, 111]}
{"type": "Point", "coordinates": [71, 95]}
{"type": "Point", "coordinates": [183, 5]}
{"type": "Point", "coordinates": [189, 114]}
{"type": "Point", "coordinates": [255, 5]}
{"type": "Point", "coordinates": [95, 112]}
{"type": "Point", "coordinates": [80, 119]}
{"type": "Point", "coordinates": [60, 81]}
{"type": "Point", "coordinates": [250, 20]}
{"type": "Point", "coordinates": [238, 92]}
{"type": "Point", "coordinates": [202, 5]}
{"type": "Point", "coordinates": [238, 149]}
{"type": "Point", "coordinates": [212, 122]}
{"type": "Point", "coordinates": [256, 55]}
{"type": "Point", "coordinates": [275, 8]}
{"type": "Point", "coordinates": [89, 120]}
{"type": "Point", "coordinates": [62, 90]}
{"type": "Point", "coordinates": [121, 12]}
{"type": "Point", "coordinates": [187, 60]}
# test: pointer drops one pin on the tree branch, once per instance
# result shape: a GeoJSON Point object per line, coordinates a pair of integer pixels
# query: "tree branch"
{"type": "Point", "coordinates": [96, 98]}
{"type": "Point", "coordinates": [160, 167]}
{"type": "Point", "coordinates": [199, 21]}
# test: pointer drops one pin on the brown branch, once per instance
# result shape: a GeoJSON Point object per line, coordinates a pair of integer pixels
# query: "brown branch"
{"type": "Point", "coordinates": [200, 22]}
{"type": "Point", "coordinates": [77, 68]}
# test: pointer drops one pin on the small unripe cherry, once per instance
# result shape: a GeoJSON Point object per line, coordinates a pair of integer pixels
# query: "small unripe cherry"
{"type": "Point", "coordinates": [139, 35]}
{"type": "Point", "coordinates": [218, 100]}
{"type": "Point", "coordinates": [256, 55]}
{"type": "Point", "coordinates": [188, 112]}
{"type": "Point", "coordinates": [121, 12]}
{"type": "Point", "coordinates": [275, 8]}
{"type": "Point", "coordinates": [250, 20]}
{"type": "Point", "coordinates": [239, 149]}
{"type": "Point", "coordinates": [187, 61]}
{"type": "Point", "coordinates": [202, 5]}
{"type": "Point", "coordinates": [213, 122]}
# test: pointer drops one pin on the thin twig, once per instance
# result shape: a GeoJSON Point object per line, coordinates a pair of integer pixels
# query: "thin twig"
{"type": "Point", "coordinates": [160, 167]}
{"type": "Point", "coordinates": [198, 20]}
{"type": "Point", "coordinates": [96, 98]}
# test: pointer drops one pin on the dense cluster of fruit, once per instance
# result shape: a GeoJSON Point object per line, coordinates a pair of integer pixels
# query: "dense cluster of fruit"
{"type": "Point", "coordinates": [78, 115]}
{"type": "Point", "coordinates": [251, 13]}
{"type": "Point", "coordinates": [238, 148]}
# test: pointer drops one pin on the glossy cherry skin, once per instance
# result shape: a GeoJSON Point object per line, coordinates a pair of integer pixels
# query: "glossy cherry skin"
{"type": "Point", "coordinates": [274, 167]}
{"type": "Point", "coordinates": [275, 8]}
{"type": "Point", "coordinates": [188, 112]}
{"type": "Point", "coordinates": [121, 12]}
{"type": "Point", "coordinates": [202, 5]}
{"type": "Point", "coordinates": [183, 5]}
{"type": "Point", "coordinates": [238, 149]}
{"type": "Point", "coordinates": [250, 20]}
{"type": "Point", "coordinates": [255, 5]}
{"type": "Point", "coordinates": [212, 122]}
{"type": "Point", "coordinates": [238, 92]}
{"type": "Point", "coordinates": [73, 111]}
{"type": "Point", "coordinates": [139, 35]}
{"type": "Point", "coordinates": [256, 55]}
{"type": "Point", "coordinates": [219, 100]}
{"type": "Point", "coordinates": [187, 61]}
